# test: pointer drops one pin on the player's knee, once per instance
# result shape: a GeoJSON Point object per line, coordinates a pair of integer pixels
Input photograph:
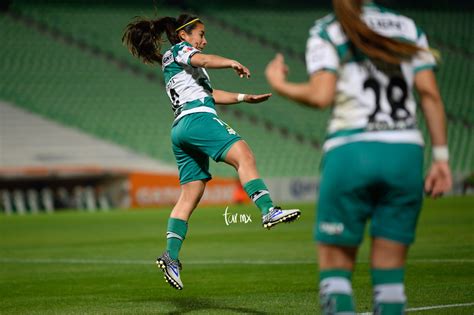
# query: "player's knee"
{"type": "Point", "coordinates": [192, 192]}
{"type": "Point", "coordinates": [248, 160]}
{"type": "Point", "coordinates": [245, 160]}
{"type": "Point", "coordinates": [187, 203]}
{"type": "Point", "coordinates": [336, 257]}
{"type": "Point", "coordinates": [388, 254]}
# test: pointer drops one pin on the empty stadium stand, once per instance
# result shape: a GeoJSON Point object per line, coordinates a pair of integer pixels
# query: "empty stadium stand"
{"type": "Point", "coordinates": [70, 66]}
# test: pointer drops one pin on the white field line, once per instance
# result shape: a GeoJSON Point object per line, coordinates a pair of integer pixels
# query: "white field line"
{"type": "Point", "coordinates": [426, 308]}
{"type": "Point", "coordinates": [228, 262]}
{"type": "Point", "coordinates": [198, 262]}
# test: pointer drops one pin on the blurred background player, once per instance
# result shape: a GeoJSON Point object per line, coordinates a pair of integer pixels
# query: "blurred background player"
{"type": "Point", "coordinates": [197, 133]}
{"type": "Point", "coordinates": [364, 61]}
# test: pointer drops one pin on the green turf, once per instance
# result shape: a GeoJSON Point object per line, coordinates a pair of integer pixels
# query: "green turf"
{"type": "Point", "coordinates": [103, 263]}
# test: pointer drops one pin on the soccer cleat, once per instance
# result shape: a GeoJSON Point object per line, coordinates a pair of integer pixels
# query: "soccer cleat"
{"type": "Point", "coordinates": [171, 270]}
{"type": "Point", "coordinates": [276, 215]}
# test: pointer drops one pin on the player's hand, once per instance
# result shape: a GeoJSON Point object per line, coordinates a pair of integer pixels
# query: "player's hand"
{"type": "Point", "coordinates": [439, 179]}
{"type": "Point", "coordinates": [276, 70]}
{"type": "Point", "coordinates": [240, 69]}
{"type": "Point", "coordinates": [250, 98]}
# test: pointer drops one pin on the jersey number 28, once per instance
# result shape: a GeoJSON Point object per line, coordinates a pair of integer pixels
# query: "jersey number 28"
{"type": "Point", "coordinates": [396, 95]}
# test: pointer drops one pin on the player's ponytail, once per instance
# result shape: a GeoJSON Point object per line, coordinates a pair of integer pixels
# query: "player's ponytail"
{"type": "Point", "coordinates": [143, 37]}
{"type": "Point", "coordinates": [374, 45]}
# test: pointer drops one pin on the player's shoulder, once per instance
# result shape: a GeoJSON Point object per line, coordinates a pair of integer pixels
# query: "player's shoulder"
{"type": "Point", "coordinates": [328, 29]}
{"type": "Point", "coordinates": [321, 25]}
{"type": "Point", "coordinates": [181, 47]}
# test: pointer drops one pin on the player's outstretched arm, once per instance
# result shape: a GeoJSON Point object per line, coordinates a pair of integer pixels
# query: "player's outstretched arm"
{"type": "Point", "coordinates": [227, 98]}
{"type": "Point", "coordinates": [318, 92]}
{"type": "Point", "coordinates": [218, 62]}
{"type": "Point", "coordinates": [439, 179]}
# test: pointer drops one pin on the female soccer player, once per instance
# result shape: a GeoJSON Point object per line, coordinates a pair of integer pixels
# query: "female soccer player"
{"type": "Point", "coordinates": [365, 60]}
{"type": "Point", "coordinates": [197, 133]}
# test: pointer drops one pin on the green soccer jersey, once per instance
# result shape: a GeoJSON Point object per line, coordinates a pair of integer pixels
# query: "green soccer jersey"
{"type": "Point", "coordinates": [374, 101]}
{"type": "Point", "coordinates": [185, 84]}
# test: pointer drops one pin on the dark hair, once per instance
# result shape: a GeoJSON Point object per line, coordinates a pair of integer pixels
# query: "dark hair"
{"type": "Point", "coordinates": [143, 37]}
{"type": "Point", "coordinates": [374, 45]}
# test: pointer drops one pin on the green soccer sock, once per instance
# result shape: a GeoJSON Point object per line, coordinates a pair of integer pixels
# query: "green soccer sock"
{"type": "Point", "coordinates": [258, 192]}
{"type": "Point", "coordinates": [335, 291]}
{"type": "Point", "coordinates": [389, 291]}
{"type": "Point", "coordinates": [175, 236]}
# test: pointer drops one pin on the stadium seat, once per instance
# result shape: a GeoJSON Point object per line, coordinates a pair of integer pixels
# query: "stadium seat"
{"type": "Point", "coordinates": [65, 80]}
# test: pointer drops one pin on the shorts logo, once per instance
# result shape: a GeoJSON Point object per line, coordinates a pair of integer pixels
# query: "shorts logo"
{"type": "Point", "coordinates": [226, 126]}
{"type": "Point", "coordinates": [331, 228]}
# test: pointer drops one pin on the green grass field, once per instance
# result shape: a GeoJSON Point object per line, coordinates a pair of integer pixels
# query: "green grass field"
{"type": "Point", "coordinates": [103, 263]}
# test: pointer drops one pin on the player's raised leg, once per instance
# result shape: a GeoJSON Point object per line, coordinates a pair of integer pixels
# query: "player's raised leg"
{"type": "Point", "coordinates": [189, 198]}
{"type": "Point", "coordinates": [241, 157]}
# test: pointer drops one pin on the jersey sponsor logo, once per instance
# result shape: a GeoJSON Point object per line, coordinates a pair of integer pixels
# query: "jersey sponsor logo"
{"type": "Point", "coordinates": [383, 23]}
{"type": "Point", "coordinates": [167, 59]}
{"type": "Point", "coordinates": [331, 228]}
{"type": "Point", "coordinates": [185, 52]}
{"type": "Point", "coordinates": [388, 125]}
{"type": "Point", "coordinates": [171, 83]}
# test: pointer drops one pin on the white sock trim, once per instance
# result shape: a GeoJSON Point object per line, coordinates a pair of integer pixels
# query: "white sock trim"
{"type": "Point", "coordinates": [255, 196]}
{"type": "Point", "coordinates": [390, 293]}
{"type": "Point", "coordinates": [335, 285]}
{"type": "Point", "coordinates": [173, 235]}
